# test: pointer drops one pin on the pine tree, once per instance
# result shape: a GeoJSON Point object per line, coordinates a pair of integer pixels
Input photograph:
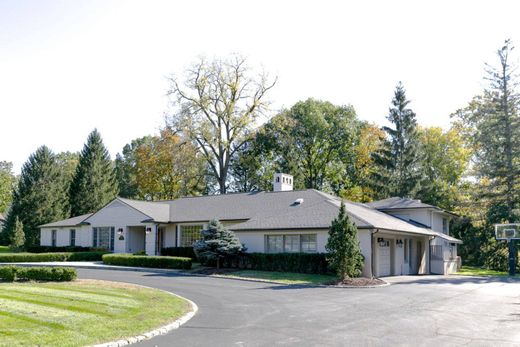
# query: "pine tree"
{"type": "Point", "coordinates": [399, 161]}
{"type": "Point", "coordinates": [94, 183]}
{"type": "Point", "coordinates": [344, 253]}
{"type": "Point", "coordinates": [40, 196]}
{"type": "Point", "coordinates": [18, 236]}
{"type": "Point", "coordinates": [217, 242]}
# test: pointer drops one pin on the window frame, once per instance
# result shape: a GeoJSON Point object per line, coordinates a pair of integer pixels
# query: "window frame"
{"type": "Point", "coordinates": [268, 249]}
{"type": "Point", "coordinates": [54, 237]}
{"type": "Point", "coordinates": [182, 242]}
{"type": "Point", "coordinates": [72, 237]}
{"type": "Point", "coordinates": [96, 237]}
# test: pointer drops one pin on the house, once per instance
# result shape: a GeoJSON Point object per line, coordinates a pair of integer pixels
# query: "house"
{"type": "Point", "coordinates": [284, 220]}
{"type": "Point", "coordinates": [443, 248]}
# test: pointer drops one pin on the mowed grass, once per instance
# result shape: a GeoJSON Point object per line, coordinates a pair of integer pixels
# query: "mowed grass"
{"type": "Point", "coordinates": [282, 277]}
{"type": "Point", "coordinates": [477, 271]}
{"type": "Point", "coordinates": [5, 249]}
{"type": "Point", "coordinates": [81, 313]}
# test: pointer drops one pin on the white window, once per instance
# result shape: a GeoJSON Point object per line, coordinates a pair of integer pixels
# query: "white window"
{"type": "Point", "coordinates": [190, 234]}
{"type": "Point", "coordinates": [103, 237]}
{"type": "Point", "coordinates": [309, 244]}
{"type": "Point", "coordinates": [53, 238]}
{"type": "Point", "coordinates": [445, 225]}
{"type": "Point", "coordinates": [274, 243]}
{"type": "Point", "coordinates": [72, 237]}
{"type": "Point", "coordinates": [290, 243]}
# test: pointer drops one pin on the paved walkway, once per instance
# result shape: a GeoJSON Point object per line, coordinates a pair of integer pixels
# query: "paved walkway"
{"type": "Point", "coordinates": [413, 311]}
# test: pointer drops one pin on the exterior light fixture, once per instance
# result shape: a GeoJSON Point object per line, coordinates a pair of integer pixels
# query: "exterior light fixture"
{"type": "Point", "coordinates": [120, 231]}
{"type": "Point", "coordinates": [148, 230]}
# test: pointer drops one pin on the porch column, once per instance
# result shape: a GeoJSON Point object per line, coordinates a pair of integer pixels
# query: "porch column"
{"type": "Point", "coordinates": [150, 239]}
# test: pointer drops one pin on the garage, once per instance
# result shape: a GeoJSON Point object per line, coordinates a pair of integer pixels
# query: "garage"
{"type": "Point", "coordinates": [383, 259]}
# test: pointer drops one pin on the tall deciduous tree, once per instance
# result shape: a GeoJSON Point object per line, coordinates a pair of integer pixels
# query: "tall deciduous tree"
{"type": "Point", "coordinates": [344, 254]}
{"type": "Point", "coordinates": [445, 161]}
{"type": "Point", "coordinates": [94, 183]}
{"type": "Point", "coordinates": [7, 181]}
{"type": "Point", "coordinates": [126, 168]}
{"type": "Point", "coordinates": [217, 106]}
{"type": "Point", "coordinates": [314, 141]}
{"type": "Point", "coordinates": [40, 196]}
{"type": "Point", "coordinates": [168, 167]}
{"type": "Point", "coordinates": [492, 124]}
{"type": "Point", "coordinates": [399, 162]}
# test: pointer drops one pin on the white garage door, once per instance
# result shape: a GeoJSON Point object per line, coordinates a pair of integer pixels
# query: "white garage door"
{"type": "Point", "coordinates": [383, 260]}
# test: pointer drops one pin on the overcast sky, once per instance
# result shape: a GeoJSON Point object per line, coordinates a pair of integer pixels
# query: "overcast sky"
{"type": "Point", "coordinates": [67, 67]}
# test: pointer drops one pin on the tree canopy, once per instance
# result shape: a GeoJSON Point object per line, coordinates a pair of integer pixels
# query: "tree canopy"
{"type": "Point", "coordinates": [94, 183]}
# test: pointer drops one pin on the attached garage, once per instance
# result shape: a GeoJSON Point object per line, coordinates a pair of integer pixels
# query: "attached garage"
{"type": "Point", "coordinates": [384, 262]}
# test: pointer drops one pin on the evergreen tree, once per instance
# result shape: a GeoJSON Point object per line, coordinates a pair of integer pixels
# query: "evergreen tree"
{"type": "Point", "coordinates": [344, 253]}
{"type": "Point", "coordinates": [18, 236]}
{"type": "Point", "coordinates": [217, 242]}
{"type": "Point", "coordinates": [94, 183]}
{"type": "Point", "coordinates": [399, 171]}
{"type": "Point", "coordinates": [40, 196]}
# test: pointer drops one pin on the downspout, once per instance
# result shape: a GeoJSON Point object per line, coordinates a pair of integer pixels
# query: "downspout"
{"type": "Point", "coordinates": [430, 254]}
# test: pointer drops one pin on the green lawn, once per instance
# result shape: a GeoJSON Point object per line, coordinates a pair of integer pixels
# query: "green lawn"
{"type": "Point", "coordinates": [81, 313]}
{"type": "Point", "coordinates": [4, 249]}
{"type": "Point", "coordinates": [477, 271]}
{"type": "Point", "coordinates": [283, 277]}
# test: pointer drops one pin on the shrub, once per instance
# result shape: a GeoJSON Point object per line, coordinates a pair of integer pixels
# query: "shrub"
{"type": "Point", "coordinates": [50, 249]}
{"type": "Point", "coordinates": [217, 243]}
{"type": "Point", "coordinates": [44, 257]}
{"type": "Point", "coordinates": [185, 252]}
{"type": "Point", "coordinates": [8, 273]}
{"type": "Point", "coordinates": [147, 261]}
{"type": "Point", "coordinates": [55, 274]}
{"type": "Point", "coordinates": [313, 263]}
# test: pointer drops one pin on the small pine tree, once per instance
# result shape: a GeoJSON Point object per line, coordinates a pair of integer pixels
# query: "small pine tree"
{"type": "Point", "coordinates": [217, 242]}
{"type": "Point", "coordinates": [344, 253]}
{"type": "Point", "coordinates": [18, 236]}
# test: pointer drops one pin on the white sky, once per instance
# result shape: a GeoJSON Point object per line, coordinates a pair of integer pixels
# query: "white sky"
{"type": "Point", "coordinates": [67, 67]}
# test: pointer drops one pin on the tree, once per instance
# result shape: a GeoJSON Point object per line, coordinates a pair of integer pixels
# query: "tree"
{"type": "Point", "coordinates": [40, 196]}
{"type": "Point", "coordinates": [94, 184]}
{"type": "Point", "coordinates": [445, 160]}
{"type": "Point", "coordinates": [18, 235]}
{"type": "Point", "coordinates": [217, 107]}
{"type": "Point", "coordinates": [126, 168]}
{"type": "Point", "coordinates": [492, 125]}
{"type": "Point", "coordinates": [168, 167]}
{"type": "Point", "coordinates": [344, 253]}
{"type": "Point", "coordinates": [314, 141]}
{"type": "Point", "coordinates": [7, 181]}
{"type": "Point", "coordinates": [217, 243]}
{"type": "Point", "coordinates": [370, 140]}
{"type": "Point", "coordinates": [399, 162]}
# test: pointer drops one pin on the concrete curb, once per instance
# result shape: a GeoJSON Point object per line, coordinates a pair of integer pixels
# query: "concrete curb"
{"type": "Point", "coordinates": [156, 332]}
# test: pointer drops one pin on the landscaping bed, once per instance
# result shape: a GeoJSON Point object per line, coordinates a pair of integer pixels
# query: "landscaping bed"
{"type": "Point", "coordinates": [83, 312]}
{"type": "Point", "coordinates": [358, 282]}
{"type": "Point", "coordinates": [162, 262]}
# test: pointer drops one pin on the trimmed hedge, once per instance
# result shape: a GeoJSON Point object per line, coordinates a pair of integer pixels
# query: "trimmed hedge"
{"type": "Point", "coordinates": [312, 263]}
{"type": "Point", "coordinates": [186, 252]}
{"type": "Point", "coordinates": [44, 257]}
{"type": "Point", "coordinates": [54, 274]}
{"type": "Point", "coordinates": [147, 261]}
{"type": "Point", "coordinates": [60, 249]}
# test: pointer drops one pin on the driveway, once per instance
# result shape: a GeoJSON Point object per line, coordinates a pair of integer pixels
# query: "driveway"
{"type": "Point", "coordinates": [414, 310]}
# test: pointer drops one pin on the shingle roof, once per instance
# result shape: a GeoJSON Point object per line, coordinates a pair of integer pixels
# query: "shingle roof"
{"type": "Point", "coordinates": [398, 203]}
{"type": "Point", "coordinates": [70, 222]}
{"type": "Point", "coordinates": [264, 211]}
{"type": "Point", "coordinates": [157, 211]}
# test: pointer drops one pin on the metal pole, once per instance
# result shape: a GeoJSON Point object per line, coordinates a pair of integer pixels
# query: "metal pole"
{"type": "Point", "coordinates": [512, 258]}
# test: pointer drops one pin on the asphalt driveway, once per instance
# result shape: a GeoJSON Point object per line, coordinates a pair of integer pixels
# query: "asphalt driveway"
{"type": "Point", "coordinates": [413, 311]}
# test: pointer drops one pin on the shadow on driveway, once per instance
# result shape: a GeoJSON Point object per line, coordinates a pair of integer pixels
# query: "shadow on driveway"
{"type": "Point", "coordinates": [450, 279]}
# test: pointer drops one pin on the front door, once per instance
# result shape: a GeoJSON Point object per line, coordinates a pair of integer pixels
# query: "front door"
{"type": "Point", "coordinates": [159, 241]}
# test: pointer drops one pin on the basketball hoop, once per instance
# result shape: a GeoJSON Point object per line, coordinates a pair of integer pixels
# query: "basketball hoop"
{"type": "Point", "coordinates": [509, 233]}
